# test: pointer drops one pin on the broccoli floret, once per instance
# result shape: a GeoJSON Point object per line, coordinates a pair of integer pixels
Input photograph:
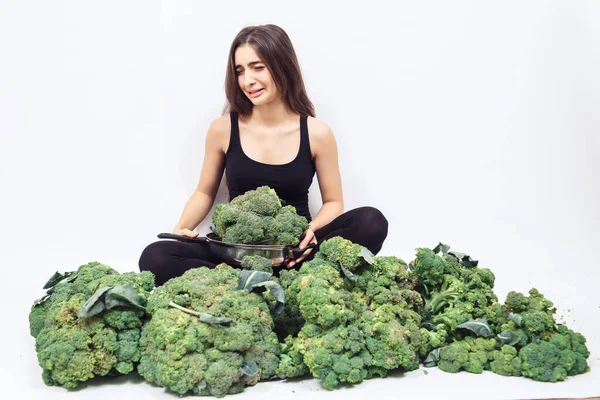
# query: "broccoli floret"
{"type": "Point", "coordinates": [318, 303]}
{"type": "Point", "coordinates": [432, 339]}
{"type": "Point", "coordinates": [257, 217]}
{"type": "Point", "coordinates": [257, 263]}
{"type": "Point", "coordinates": [530, 315]}
{"type": "Point", "coordinates": [336, 355]}
{"type": "Point", "coordinates": [37, 318]}
{"type": "Point", "coordinates": [428, 268]}
{"type": "Point", "coordinates": [542, 362]}
{"type": "Point", "coordinates": [290, 320]}
{"type": "Point", "coordinates": [551, 361]}
{"type": "Point", "coordinates": [471, 354]}
{"type": "Point", "coordinates": [518, 302]}
{"type": "Point", "coordinates": [454, 357]}
{"type": "Point", "coordinates": [262, 201]}
{"type": "Point", "coordinates": [291, 362]}
{"type": "Point", "coordinates": [486, 276]}
{"type": "Point", "coordinates": [495, 314]}
{"type": "Point", "coordinates": [223, 217]}
{"type": "Point", "coordinates": [286, 227]}
{"type": "Point", "coordinates": [72, 348]}
{"type": "Point", "coordinates": [538, 324]}
{"type": "Point", "coordinates": [342, 253]}
{"type": "Point", "coordinates": [574, 352]}
{"type": "Point", "coordinates": [386, 282]}
{"type": "Point", "coordinates": [249, 228]}
{"type": "Point", "coordinates": [506, 361]}
{"type": "Point", "coordinates": [392, 336]}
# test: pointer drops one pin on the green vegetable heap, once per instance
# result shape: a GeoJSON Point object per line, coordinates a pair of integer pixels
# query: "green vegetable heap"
{"type": "Point", "coordinates": [343, 317]}
{"type": "Point", "coordinates": [258, 217]}
{"type": "Point", "coordinates": [361, 312]}
{"type": "Point", "coordinates": [470, 330]}
{"type": "Point", "coordinates": [89, 323]}
{"type": "Point", "coordinates": [210, 333]}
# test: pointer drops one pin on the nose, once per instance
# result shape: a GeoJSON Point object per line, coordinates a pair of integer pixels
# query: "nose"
{"type": "Point", "coordinates": [249, 78]}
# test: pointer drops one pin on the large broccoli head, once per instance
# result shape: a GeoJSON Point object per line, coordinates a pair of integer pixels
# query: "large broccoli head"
{"type": "Point", "coordinates": [361, 316]}
{"type": "Point", "coordinates": [207, 336]}
{"type": "Point", "coordinates": [258, 217]}
{"type": "Point", "coordinates": [72, 348]}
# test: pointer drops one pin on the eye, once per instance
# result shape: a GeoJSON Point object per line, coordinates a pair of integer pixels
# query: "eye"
{"type": "Point", "coordinates": [259, 68]}
{"type": "Point", "coordinates": [238, 72]}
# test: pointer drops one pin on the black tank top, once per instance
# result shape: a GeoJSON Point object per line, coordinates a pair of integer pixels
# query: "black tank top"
{"type": "Point", "coordinates": [291, 181]}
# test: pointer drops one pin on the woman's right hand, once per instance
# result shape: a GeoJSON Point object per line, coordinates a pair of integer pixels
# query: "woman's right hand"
{"type": "Point", "coordinates": [185, 232]}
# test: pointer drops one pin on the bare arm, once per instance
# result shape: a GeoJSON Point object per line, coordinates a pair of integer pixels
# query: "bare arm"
{"type": "Point", "coordinates": [199, 204]}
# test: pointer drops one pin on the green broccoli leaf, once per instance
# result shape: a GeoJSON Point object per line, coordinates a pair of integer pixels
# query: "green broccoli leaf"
{"type": "Point", "coordinates": [51, 284]}
{"type": "Point", "coordinates": [430, 327]}
{"type": "Point", "coordinates": [123, 296]}
{"type": "Point", "coordinates": [432, 358]}
{"type": "Point", "coordinates": [276, 291]}
{"type": "Point", "coordinates": [109, 297]}
{"type": "Point", "coordinates": [516, 318]}
{"type": "Point", "coordinates": [347, 273]}
{"type": "Point", "coordinates": [201, 385]}
{"type": "Point", "coordinates": [465, 259]}
{"type": "Point", "coordinates": [479, 326]}
{"type": "Point", "coordinates": [57, 277]}
{"type": "Point", "coordinates": [441, 247]}
{"type": "Point", "coordinates": [249, 368]}
{"type": "Point", "coordinates": [42, 300]}
{"type": "Point", "coordinates": [508, 337]}
{"type": "Point", "coordinates": [250, 278]}
{"type": "Point", "coordinates": [95, 304]}
{"type": "Point", "coordinates": [367, 255]}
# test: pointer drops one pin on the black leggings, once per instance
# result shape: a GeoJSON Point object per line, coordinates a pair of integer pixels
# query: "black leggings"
{"type": "Point", "coordinates": [167, 259]}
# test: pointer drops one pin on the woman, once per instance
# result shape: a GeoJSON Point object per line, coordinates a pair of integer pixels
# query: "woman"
{"type": "Point", "coordinates": [269, 136]}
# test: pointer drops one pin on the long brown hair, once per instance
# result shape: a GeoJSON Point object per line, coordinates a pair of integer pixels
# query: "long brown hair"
{"type": "Point", "coordinates": [274, 47]}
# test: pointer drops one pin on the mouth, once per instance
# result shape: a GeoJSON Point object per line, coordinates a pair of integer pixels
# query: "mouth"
{"type": "Point", "coordinates": [255, 93]}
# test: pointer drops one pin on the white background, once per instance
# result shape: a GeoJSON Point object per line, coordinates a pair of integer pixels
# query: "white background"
{"type": "Point", "coordinates": [472, 123]}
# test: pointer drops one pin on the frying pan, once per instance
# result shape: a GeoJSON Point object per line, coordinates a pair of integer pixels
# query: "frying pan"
{"type": "Point", "coordinates": [232, 253]}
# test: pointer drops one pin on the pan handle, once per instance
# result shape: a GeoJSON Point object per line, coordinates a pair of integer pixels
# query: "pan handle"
{"type": "Point", "coordinates": [297, 252]}
{"type": "Point", "coordinates": [182, 238]}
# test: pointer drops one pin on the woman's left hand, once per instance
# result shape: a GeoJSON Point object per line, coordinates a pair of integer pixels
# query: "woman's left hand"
{"type": "Point", "coordinates": [308, 238]}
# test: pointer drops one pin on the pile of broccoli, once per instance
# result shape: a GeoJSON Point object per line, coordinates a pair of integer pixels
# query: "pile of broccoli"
{"type": "Point", "coordinates": [258, 217]}
{"type": "Point", "coordinates": [343, 317]}
{"type": "Point", "coordinates": [88, 324]}
{"type": "Point", "coordinates": [362, 316]}
{"type": "Point", "coordinates": [470, 330]}
{"type": "Point", "coordinates": [209, 333]}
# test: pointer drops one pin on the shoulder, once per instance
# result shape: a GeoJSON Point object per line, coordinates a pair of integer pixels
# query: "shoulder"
{"type": "Point", "coordinates": [219, 131]}
{"type": "Point", "coordinates": [320, 135]}
{"type": "Point", "coordinates": [319, 131]}
{"type": "Point", "coordinates": [221, 125]}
